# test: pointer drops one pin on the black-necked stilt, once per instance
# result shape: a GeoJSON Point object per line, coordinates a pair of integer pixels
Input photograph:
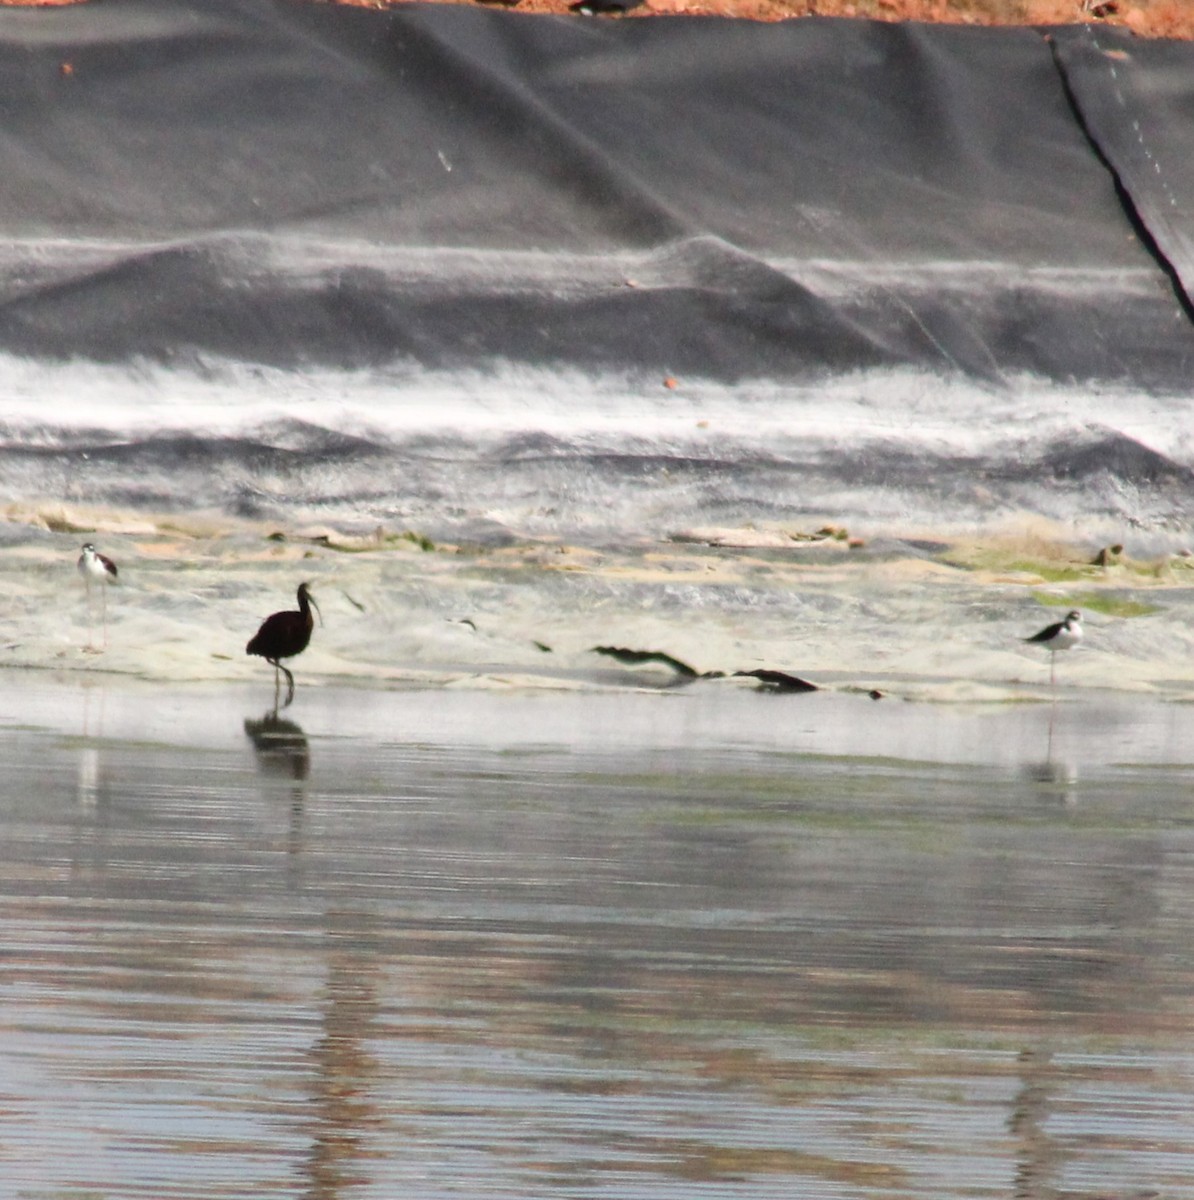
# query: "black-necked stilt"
{"type": "Point", "coordinates": [283, 635]}
{"type": "Point", "coordinates": [98, 567]}
{"type": "Point", "coordinates": [1060, 636]}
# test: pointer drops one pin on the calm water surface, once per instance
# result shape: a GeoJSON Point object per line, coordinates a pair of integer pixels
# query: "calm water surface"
{"type": "Point", "coordinates": [476, 943]}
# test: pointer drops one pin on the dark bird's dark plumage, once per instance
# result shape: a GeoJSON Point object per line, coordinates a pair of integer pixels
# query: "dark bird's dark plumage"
{"type": "Point", "coordinates": [283, 635]}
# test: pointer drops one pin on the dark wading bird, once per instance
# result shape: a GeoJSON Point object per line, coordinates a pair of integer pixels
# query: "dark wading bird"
{"type": "Point", "coordinates": [283, 635]}
{"type": "Point", "coordinates": [1061, 636]}
{"type": "Point", "coordinates": [99, 567]}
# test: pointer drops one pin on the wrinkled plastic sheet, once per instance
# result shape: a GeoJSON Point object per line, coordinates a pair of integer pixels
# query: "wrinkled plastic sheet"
{"type": "Point", "coordinates": [293, 183]}
{"type": "Point", "coordinates": [1136, 101]}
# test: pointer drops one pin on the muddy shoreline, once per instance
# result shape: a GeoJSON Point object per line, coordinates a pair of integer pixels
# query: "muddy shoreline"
{"type": "Point", "coordinates": [910, 613]}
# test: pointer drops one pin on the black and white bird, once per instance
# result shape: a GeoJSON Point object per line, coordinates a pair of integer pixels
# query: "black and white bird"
{"type": "Point", "coordinates": [97, 568]}
{"type": "Point", "coordinates": [1062, 635]}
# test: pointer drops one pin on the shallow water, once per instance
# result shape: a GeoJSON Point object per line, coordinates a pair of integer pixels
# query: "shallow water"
{"type": "Point", "coordinates": [516, 944]}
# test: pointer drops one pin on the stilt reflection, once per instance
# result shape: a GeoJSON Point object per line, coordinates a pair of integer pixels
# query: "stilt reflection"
{"type": "Point", "coordinates": [89, 786]}
{"type": "Point", "coordinates": [1057, 775]}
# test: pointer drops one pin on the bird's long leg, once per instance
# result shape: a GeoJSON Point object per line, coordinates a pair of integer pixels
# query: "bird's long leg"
{"type": "Point", "coordinates": [90, 615]}
{"type": "Point", "coordinates": [104, 610]}
{"type": "Point", "coordinates": [1053, 669]}
{"type": "Point", "coordinates": [289, 686]}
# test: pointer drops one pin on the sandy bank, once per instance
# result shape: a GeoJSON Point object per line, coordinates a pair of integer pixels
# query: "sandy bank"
{"type": "Point", "coordinates": [919, 616]}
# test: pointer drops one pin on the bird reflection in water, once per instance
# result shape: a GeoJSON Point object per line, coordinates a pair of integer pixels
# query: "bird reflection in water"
{"type": "Point", "coordinates": [87, 787]}
{"type": "Point", "coordinates": [1056, 777]}
{"type": "Point", "coordinates": [281, 746]}
{"type": "Point", "coordinates": [345, 1070]}
{"type": "Point", "coordinates": [283, 754]}
{"type": "Point", "coordinates": [346, 1074]}
{"type": "Point", "coordinates": [1040, 1158]}
{"type": "Point", "coordinates": [90, 786]}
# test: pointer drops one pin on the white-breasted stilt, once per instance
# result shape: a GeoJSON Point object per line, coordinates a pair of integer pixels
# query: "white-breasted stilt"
{"type": "Point", "coordinates": [98, 568]}
{"type": "Point", "coordinates": [283, 635]}
{"type": "Point", "coordinates": [1060, 636]}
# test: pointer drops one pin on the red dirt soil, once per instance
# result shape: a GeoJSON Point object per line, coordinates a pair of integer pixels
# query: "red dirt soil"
{"type": "Point", "coordinates": [1145, 18]}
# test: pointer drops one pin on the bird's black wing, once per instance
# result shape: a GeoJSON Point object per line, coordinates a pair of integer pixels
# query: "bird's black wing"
{"type": "Point", "coordinates": [1047, 634]}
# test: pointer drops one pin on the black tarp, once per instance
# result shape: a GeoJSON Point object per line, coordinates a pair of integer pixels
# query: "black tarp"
{"type": "Point", "coordinates": [296, 183]}
{"type": "Point", "coordinates": [1136, 101]}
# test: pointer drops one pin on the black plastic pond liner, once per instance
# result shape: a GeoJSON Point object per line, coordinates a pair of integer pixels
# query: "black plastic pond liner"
{"type": "Point", "coordinates": [305, 184]}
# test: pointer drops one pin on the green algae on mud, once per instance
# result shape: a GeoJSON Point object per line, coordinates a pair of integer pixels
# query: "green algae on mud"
{"type": "Point", "coordinates": [397, 615]}
{"type": "Point", "coordinates": [1108, 604]}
